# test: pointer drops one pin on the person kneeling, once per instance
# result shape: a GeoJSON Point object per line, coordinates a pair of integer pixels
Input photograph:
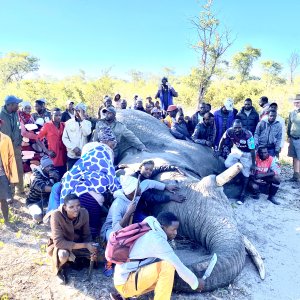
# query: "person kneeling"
{"type": "Point", "coordinates": [70, 236]}
{"type": "Point", "coordinates": [266, 175]}
{"type": "Point", "coordinates": [157, 276]}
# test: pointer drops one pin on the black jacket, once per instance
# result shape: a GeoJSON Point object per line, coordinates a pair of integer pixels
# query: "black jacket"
{"type": "Point", "coordinates": [249, 122]}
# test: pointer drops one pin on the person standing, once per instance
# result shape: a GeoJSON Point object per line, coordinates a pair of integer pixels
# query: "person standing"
{"type": "Point", "coordinates": [165, 93]}
{"type": "Point", "coordinates": [75, 134]}
{"type": "Point", "coordinates": [41, 111]}
{"type": "Point", "coordinates": [11, 127]}
{"type": "Point", "coordinates": [293, 133]}
{"type": "Point", "coordinates": [8, 172]}
{"type": "Point", "coordinates": [69, 113]}
{"type": "Point", "coordinates": [249, 116]}
{"type": "Point", "coordinates": [268, 133]}
{"type": "Point", "coordinates": [264, 104]}
{"type": "Point", "coordinates": [53, 132]}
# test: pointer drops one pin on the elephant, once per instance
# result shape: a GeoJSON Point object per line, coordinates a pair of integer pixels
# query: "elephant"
{"type": "Point", "coordinates": [206, 216]}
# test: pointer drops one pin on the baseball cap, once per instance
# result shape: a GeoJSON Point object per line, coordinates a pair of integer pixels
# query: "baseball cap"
{"type": "Point", "coordinates": [12, 99]}
{"type": "Point", "coordinates": [109, 109]}
{"type": "Point", "coordinates": [228, 103]}
{"type": "Point", "coordinates": [172, 107]}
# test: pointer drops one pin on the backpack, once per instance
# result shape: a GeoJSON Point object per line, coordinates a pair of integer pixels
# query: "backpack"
{"type": "Point", "coordinates": [121, 242]}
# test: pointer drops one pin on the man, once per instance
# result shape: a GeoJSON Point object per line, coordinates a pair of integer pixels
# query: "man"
{"type": "Point", "coordinates": [149, 100]}
{"type": "Point", "coordinates": [264, 104]}
{"type": "Point", "coordinates": [249, 116]}
{"type": "Point", "coordinates": [121, 132]}
{"type": "Point", "coordinates": [53, 131]}
{"type": "Point", "coordinates": [123, 104]}
{"type": "Point", "coordinates": [42, 180]}
{"type": "Point", "coordinates": [224, 118]}
{"type": "Point", "coordinates": [266, 175]}
{"type": "Point", "coordinates": [107, 103]}
{"type": "Point", "coordinates": [149, 107]}
{"type": "Point", "coordinates": [198, 116]}
{"type": "Point", "coordinates": [157, 276]}
{"type": "Point", "coordinates": [69, 113]}
{"type": "Point", "coordinates": [268, 133]}
{"type": "Point", "coordinates": [179, 128]}
{"type": "Point", "coordinates": [293, 133]}
{"type": "Point", "coordinates": [8, 172]}
{"type": "Point", "coordinates": [165, 93]}
{"type": "Point", "coordinates": [243, 153]}
{"type": "Point", "coordinates": [11, 127]}
{"type": "Point", "coordinates": [70, 236]}
{"type": "Point", "coordinates": [139, 105]}
{"type": "Point", "coordinates": [156, 113]}
{"type": "Point", "coordinates": [171, 117]}
{"type": "Point", "coordinates": [205, 132]}
{"type": "Point", "coordinates": [41, 111]}
{"type": "Point", "coordinates": [75, 135]}
{"type": "Point", "coordinates": [274, 106]}
{"type": "Point", "coordinates": [207, 107]}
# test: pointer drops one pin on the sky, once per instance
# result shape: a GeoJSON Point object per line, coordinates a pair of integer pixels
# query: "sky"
{"type": "Point", "coordinates": [123, 35]}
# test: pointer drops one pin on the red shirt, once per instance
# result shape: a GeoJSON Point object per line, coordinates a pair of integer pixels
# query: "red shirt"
{"type": "Point", "coordinates": [54, 139]}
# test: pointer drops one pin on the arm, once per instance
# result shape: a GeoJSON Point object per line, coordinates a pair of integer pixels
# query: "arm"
{"type": "Point", "coordinates": [278, 139]}
{"type": "Point", "coordinates": [28, 134]}
{"type": "Point", "coordinates": [66, 139]}
{"type": "Point", "coordinates": [86, 232]}
{"type": "Point", "coordinates": [173, 92]}
{"type": "Point", "coordinates": [176, 133]}
{"type": "Point", "coordinates": [289, 126]}
{"type": "Point", "coordinates": [222, 141]}
{"type": "Point", "coordinates": [151, 184]}
{"type": "Point", "coordinates": [86, 127]}
{"type": "Point", "coordinates": [132, 138]}
{"type": "Point", "coordinates": [257, 134]}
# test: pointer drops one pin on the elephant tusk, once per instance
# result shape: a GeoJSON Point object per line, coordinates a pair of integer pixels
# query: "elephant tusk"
{"type": "Point", "coordinates": [228, 174]}
{"type": "Point", "coordinates": [255, 257]}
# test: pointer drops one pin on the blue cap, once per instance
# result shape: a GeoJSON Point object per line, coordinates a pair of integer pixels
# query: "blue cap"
{"type": "Point", "coordinates": [12, 99]}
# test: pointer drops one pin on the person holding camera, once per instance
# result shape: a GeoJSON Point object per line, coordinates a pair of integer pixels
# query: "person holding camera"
{"type": "Point", "coordinates": [165, 93]}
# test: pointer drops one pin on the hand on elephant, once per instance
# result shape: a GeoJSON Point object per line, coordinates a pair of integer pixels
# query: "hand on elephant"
{"type": "Point", "coordinates": [201, 285]}
{"type": "Point", "coordinates": [172, 188]}
{"type": "Point", "coordinates": [177, 198]}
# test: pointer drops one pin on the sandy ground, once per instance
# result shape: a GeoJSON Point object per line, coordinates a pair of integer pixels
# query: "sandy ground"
{"type": "Point", "coordinates": [274, 230]}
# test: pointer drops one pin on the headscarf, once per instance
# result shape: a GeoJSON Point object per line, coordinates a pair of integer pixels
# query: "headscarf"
{"type": "Point", "coordinates": [80, 106]}
{"type": "Point", "coordinates": [105, 134]}
{"type": "Point", "coordinates": [46, 161]}
{"type": "Point", "coordinates": [129, 184]}
{"type": "Point", "coordinates": [94, 171]}
{"type": "Point", "coordinates": [25, 118]}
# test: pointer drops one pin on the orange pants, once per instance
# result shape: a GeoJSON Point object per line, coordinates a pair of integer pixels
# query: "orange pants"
{"type": "Point", "coordinates": [157, 276]}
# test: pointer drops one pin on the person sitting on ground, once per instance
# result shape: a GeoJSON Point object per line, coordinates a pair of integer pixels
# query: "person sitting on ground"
{"type": "Point", "coordinates": [42, 180]}
{"type": "Point", "coordinates": [92, 176]}
{"type": "Point", "coordinates": [53, 131]}
{"type": "Point", "coordinates": [244, 152]}
{"type": "Point", "coordinates": [165, 93]}
{"type": "Point", "coordinates": [76, 134]}
{"type": "Point", "coordinates": [41, 111]}
{"type": "Point", "coordinates": [293, 133]}
{"type": "Point", "coordinates": [274, 106]}
{"type": "Point", "coordinates": [249, 116]}
{"type": "Point", "coordinates": [179, 128]}
{"type": "Point", "coordinates": [124, 206]}
{"type": "Point", "coordinates": [205, 132]}
{"type": "Point", "coordinates": [199, 115]}
{"type": "Point", "coordinates": [69, 113]}
{"type": "Point", "coordinates": [8, 172]}
{"type": "Point", "coordinates": [268, 133]}
{"type": "Point", "coordinates": [139, 105]}
{"type": "Point", "coordinates": [70, 236]}
{"type": "Point", "coordinates": [266, 176]}
{"type": "Point", "coordinates": [171, 117]}
{"type": "Point", "coordinates": [159, 263]}
{"type": "Point", "coordinates": [120, 131]}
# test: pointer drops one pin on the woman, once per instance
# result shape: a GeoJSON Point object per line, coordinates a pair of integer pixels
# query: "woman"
{"type": "Point", "coordinates": [151, 197]}
{"type": "Point", "coordinates": [92, 175]}
{"type": "Point", "coordinates": [70, 236]}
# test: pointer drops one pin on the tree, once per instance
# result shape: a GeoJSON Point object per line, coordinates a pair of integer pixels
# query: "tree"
{"type": "Point", "coordinates": [271, 70]}
{"type": "Point", "coordinates": [243, 62]}
{"type": "Point", "coordinates": [211, 45]}
{"type": "Point", "coordinates": [14, 66]}
{"type": "Point", "coordinates": [294, 62]}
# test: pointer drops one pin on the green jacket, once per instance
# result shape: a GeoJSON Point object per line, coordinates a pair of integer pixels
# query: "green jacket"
{"type": "Point", "coordinates": [11, 126]}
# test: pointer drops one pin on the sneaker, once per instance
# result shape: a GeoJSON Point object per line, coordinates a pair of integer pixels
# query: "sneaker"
{"type": "Point", "coordinates": [108, 269]}
{"type": "Point", "coordinates": [62, 277]}
{"type": "Point", "coordinates": [273, 200]}
{"type": "Point", "coordinates": [241, 200]}
{"type": "Point", "coordinates": [115, 296]}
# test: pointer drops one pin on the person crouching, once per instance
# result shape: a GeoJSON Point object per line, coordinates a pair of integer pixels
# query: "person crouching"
{"type": "Point", "coordinates": [70, 236]}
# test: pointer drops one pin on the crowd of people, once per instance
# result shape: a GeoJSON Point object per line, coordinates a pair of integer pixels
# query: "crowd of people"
{"type": "Point", "coordinates": [77, 180]}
